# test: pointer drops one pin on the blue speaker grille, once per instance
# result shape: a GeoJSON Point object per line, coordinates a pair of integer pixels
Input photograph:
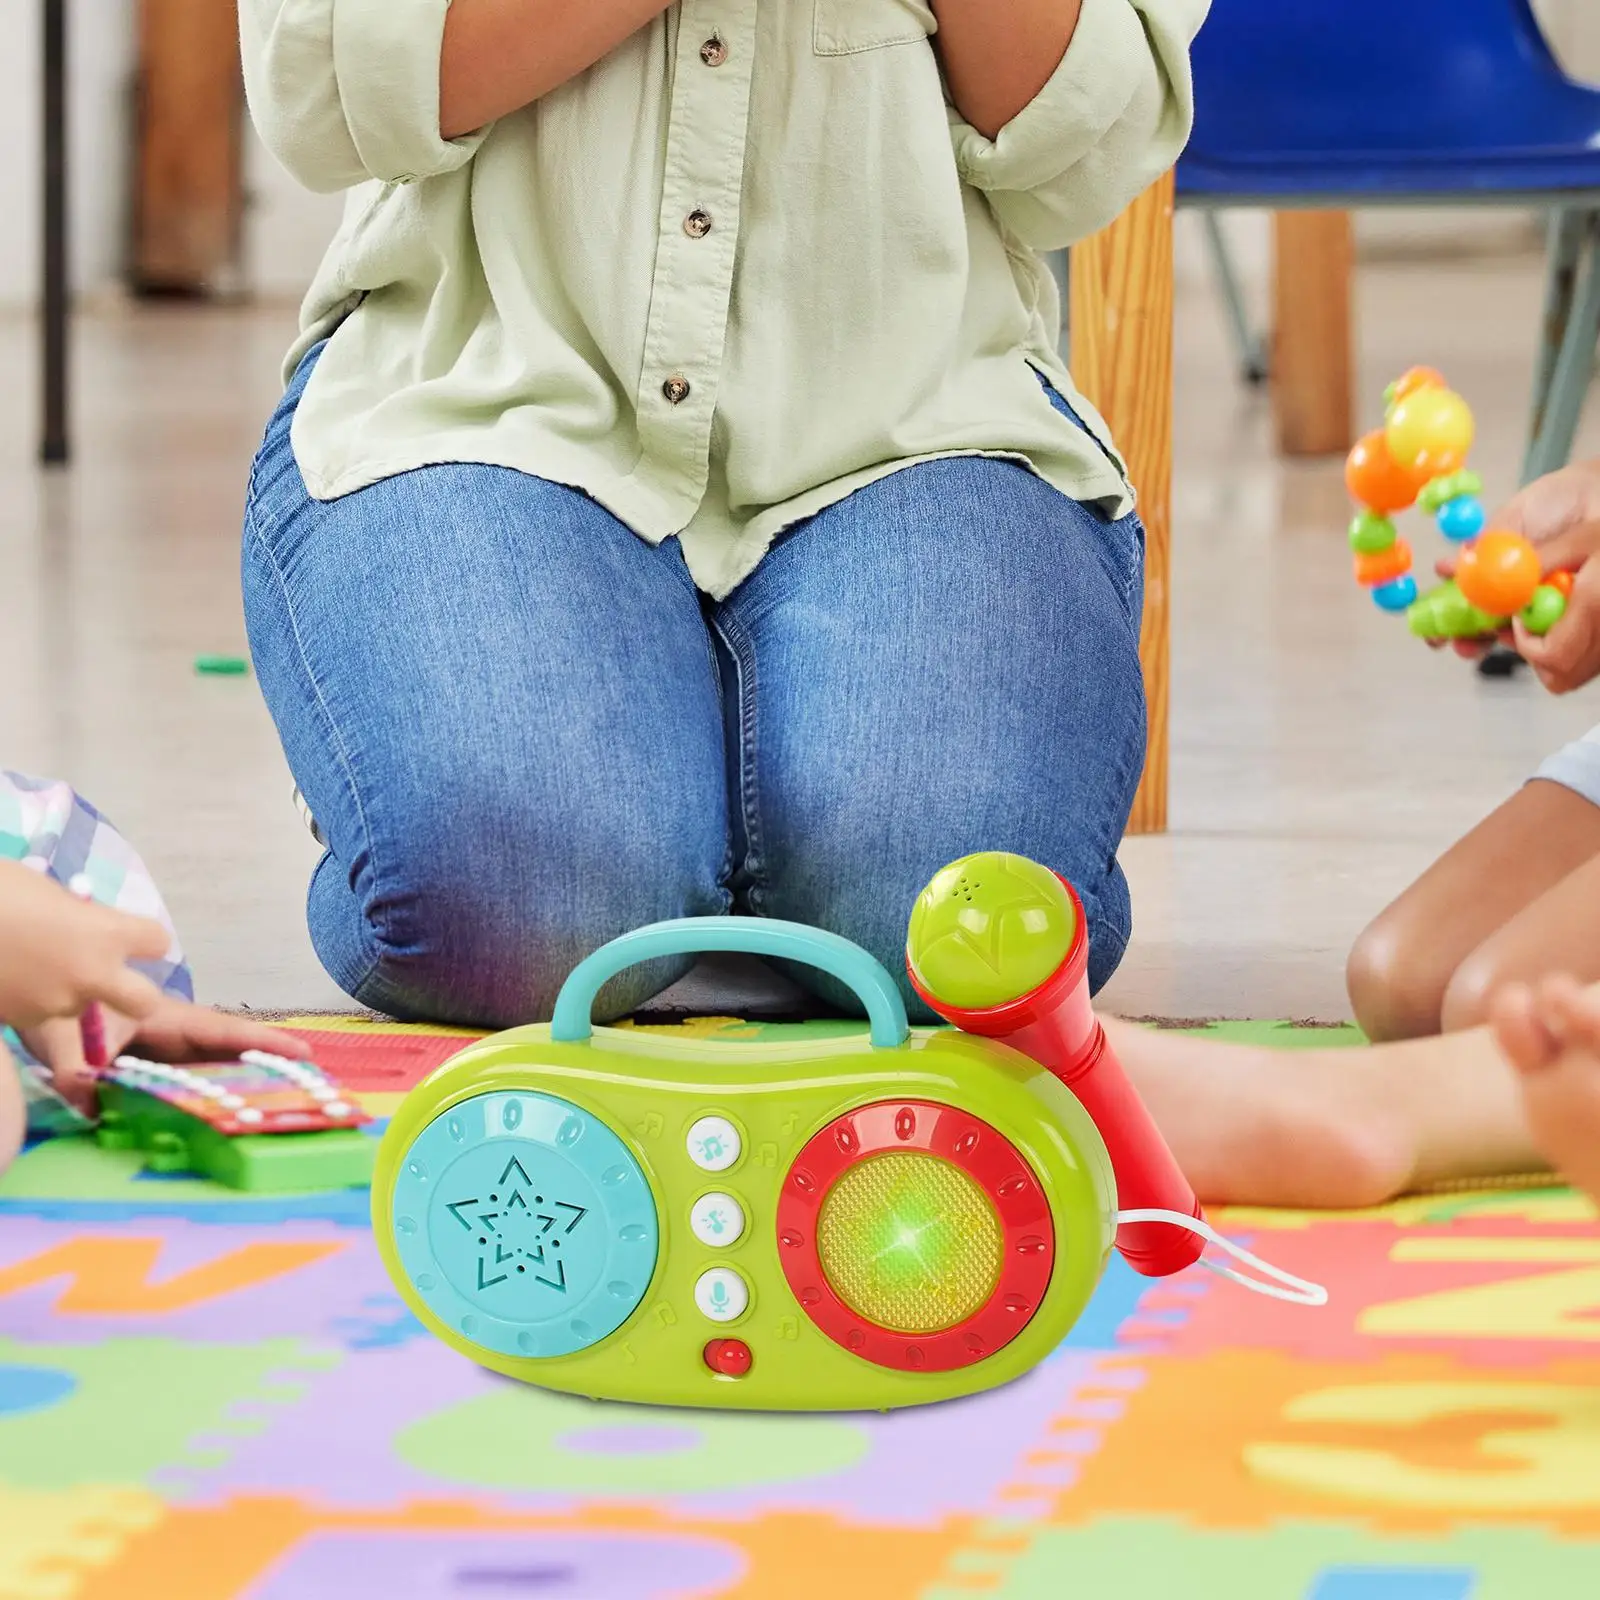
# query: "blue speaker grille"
{"type": "Point", "coordinates": [524, 1222]}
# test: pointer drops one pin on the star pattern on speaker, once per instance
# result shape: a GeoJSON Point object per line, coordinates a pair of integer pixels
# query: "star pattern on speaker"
{"type": "Point", "coordinates": [517, 1230]}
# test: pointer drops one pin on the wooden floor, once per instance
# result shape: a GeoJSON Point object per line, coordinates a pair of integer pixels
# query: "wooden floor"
{"type": "Point", "coordinates": [1319, 758]}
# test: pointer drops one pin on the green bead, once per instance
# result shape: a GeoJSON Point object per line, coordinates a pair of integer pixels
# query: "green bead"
{"type": "Point", "coordinates": [990, 929]}
{"type": "Point", "coordinates": [1452, 486]}
{"type": "Point", "coordinates": [1437, 492]}
{"type": "Point", "coordinates": [1544, 611]}
{"type": "Point", "coordinates": [1446, 613]}
{"type": "Point", "coordinates": [1371, 533]}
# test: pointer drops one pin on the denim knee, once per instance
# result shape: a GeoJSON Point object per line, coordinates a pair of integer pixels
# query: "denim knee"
{"type": "Point", "coordinates": [476, 915]}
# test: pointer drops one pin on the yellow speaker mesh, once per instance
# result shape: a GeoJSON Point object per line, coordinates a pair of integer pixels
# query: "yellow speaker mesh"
{"type": "Point", "coordinates": [910, 1243]}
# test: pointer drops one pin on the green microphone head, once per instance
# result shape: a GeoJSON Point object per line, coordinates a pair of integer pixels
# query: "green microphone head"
{"type": "Point", "coordinates": [988, 930]}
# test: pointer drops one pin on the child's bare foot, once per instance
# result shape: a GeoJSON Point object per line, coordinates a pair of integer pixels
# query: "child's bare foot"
{"type": "Point", "coordinates": [1330, 1128]}
{"type": "Point", "coordinates": [1551, 1036]}
{"type": "Point", "coordinates": [1252, 1126]}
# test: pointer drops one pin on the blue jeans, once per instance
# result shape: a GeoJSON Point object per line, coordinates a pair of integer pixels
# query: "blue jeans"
{"type": "Point", "coordinates": [523, 731]}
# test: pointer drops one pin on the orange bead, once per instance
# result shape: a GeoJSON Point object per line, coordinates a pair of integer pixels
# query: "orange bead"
{"type": "Point", "coordinates": [1416, 378]}
{"type": "Point", "coordinates": [1376, 481]}
{"type": "Point", "coordinates": [1498, 572]}
{"type": "Point", "coordinates": [1561, 582]}
{"type": "Point", "coordinates": [1382, 566]}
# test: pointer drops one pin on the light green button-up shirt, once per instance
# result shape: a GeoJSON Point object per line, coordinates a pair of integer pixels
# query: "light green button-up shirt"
{"type": "Point", "coordinates": [746, 264]}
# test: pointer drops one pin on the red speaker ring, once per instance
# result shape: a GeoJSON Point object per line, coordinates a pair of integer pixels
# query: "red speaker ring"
{"type": "Point", "coordinates": [984, 1155]}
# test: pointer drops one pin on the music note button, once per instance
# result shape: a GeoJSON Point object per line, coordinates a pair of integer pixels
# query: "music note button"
{"type": "Point", "coordinates": [717, 1220]}
{"type": "Point", "coordinates": [714, 1144]}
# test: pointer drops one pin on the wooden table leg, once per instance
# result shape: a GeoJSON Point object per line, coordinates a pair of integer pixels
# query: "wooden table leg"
{"type": "Point", "coordinates": [188, 203]}
{"type": "Point", "coordinates": [1121, 332]}
{"type": "Point", "coordinates": [1312, 391]}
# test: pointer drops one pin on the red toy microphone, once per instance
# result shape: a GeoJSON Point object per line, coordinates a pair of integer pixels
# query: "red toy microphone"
{"type": "Point", "coordinates": [997, 946]}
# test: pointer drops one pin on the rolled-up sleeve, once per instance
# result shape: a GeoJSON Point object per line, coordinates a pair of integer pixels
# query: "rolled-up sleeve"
{"type": "Point", "coordinates": [1113, 117]}
{"type": "Point", "coordinates": [343, 91]}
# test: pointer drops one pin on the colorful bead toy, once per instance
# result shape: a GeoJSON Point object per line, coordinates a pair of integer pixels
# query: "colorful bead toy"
{"type": "Point", "coordinates": [1419, 457]}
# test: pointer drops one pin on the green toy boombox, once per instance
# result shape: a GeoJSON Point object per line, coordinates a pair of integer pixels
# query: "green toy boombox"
{"type": "Point", "coordinates": [808, 1225]}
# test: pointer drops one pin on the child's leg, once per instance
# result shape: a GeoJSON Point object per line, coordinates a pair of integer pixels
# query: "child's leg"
{"type": "Point", "coordinates": [1430, 960]}
{"type": "Point", "coordinates": [1558, 932]}
{"type": "Point", "coordinates": [1254, 1126]}
{"type": "Point", "coordinates": [1551, 1035]}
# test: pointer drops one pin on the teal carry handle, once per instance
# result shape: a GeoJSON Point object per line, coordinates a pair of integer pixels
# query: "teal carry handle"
{"type": "Point", "coordinates": [756, 936]}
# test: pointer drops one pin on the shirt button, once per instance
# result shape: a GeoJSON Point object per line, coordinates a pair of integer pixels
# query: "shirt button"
{"type": "Point", "coordinates": [713, 52]}
{"type": "Point", "coordinates": [676, 390]}
{"type": "Point", "coordinates": [697, 224]}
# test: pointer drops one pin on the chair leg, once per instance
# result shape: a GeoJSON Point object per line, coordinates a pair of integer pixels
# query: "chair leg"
{"type": "Point", "coordinates": [1567, 340]}
{"type": "Point", "coordinates": [1563, 256]}
{"type": "Point", "coordinates": [1250, 345]}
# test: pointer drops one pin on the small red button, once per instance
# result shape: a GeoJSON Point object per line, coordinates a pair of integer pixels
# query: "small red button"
{"type": "Point", "coordinates": [730, 1357]}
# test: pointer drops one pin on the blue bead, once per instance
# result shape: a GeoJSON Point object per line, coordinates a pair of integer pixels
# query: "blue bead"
{"type": "Point", "coordinates": [1395, 595]}
{"type": "Point", "coordinates": [1462, 518]}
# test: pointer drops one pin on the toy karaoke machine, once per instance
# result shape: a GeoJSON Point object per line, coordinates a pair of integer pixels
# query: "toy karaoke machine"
{"type": "Point", "coordinates": [1419, 457]}
{"type": "Point", "coordinates": [794, 1226]}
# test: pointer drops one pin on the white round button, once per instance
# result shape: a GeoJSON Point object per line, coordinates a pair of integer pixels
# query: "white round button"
{"type": "Point", "coordinates": [717, 1220]}
{"type": "Point", "coordinates": [722, 1295]}
{"type": "Point", "coordinates": [714, 1144]}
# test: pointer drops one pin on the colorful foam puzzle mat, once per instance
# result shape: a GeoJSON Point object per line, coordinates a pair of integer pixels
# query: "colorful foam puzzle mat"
{"type": "Point", "coordinates": [206, 1395]}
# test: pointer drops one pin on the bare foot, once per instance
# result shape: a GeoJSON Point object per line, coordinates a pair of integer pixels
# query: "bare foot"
{"type": "Point", "coordinates": [1551, 1036]}
{"type": "Point", "coordinates": [1331, 1128]}
{"type": "Point", "coordinates": [1253, 1126]}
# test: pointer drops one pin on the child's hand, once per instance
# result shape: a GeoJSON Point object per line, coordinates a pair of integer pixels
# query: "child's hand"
{"type": "Point", "coordinates": [59, 955]}
{"type": "Point", "coordinates": [1568, 656]}
{"type": "Point", "coordinates": [1554, 504]}
{"type": "Point", "coordinates": [172, 1030]}
{"type": "Point", "coordinates": [1560, 513]}
{"type": "Point", "coordinates": [178, 1031]}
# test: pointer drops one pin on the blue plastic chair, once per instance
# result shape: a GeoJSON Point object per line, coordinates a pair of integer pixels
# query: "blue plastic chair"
{"type": "Point", "coordinates": [1350, 103]}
